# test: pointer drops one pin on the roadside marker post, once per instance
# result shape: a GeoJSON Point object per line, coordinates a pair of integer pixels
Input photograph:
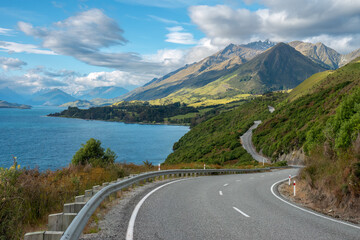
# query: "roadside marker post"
{"type": "Point", "coordinates": [294, 189]}
{"type": "Point", "coordinates": [159, 167]}
{"type": "Point", "coordinates": [289, 180]}
{"type": "Point", "coordinates": [204, 166]}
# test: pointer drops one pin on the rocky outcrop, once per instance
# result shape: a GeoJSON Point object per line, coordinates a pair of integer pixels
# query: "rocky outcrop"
{"type": "Point", "coordinates": [296, 157]}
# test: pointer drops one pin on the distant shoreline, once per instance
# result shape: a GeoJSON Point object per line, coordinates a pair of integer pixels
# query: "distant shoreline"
{"type": "Point", "coordinates": [4, 104]}
{"type": "Point", "coordinates": [140, 123]}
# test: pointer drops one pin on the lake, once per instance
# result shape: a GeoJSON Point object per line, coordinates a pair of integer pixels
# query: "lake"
{"type": "Point", "coordinates": [50, 143]}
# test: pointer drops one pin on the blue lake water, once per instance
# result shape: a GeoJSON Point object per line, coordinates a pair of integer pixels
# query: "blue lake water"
{"type": "Point", "coordinates": [50, 143]}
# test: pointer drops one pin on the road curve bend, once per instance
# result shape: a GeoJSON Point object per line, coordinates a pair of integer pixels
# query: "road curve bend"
{"type": "Point", "coordinates": [231, 207]}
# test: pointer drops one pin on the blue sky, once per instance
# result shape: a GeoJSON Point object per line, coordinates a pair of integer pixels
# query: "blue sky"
{"type": "Point", "coordinates": [80, 44]}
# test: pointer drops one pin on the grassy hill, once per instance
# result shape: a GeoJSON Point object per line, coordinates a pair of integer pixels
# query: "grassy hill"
{"type": "Point", "coordinates": [217, 139]}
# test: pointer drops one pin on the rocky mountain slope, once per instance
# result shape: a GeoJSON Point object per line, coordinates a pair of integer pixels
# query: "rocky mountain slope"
{"type": "Point", "coordinates": [201, 73]}
{"type": "Point", "coordinates": [325, 56]}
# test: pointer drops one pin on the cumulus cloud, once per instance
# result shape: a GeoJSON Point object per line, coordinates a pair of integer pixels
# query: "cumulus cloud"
{"type": "Point", "coordinates": [84, 35]}
{"type": "Point", "coordinates": [281, 20]}
{"type": "Point", "coordinates": [72, 82]}
{"type": "Point", "coordinates": [114, 78]}
{"type": "Point", "coordinates": [177, 35]}
{"type": "Point", "coordinates": [11, 63]}
{"type": "Point", "coordinates": [31, 81]}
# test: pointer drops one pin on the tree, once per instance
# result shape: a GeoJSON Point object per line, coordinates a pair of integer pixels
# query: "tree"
{"type": "Point", "coordinates": [92, 153]}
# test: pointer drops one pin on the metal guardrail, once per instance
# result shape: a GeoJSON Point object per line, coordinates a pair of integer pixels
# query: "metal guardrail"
{"type": "Point", "coordinates": [78, 224]}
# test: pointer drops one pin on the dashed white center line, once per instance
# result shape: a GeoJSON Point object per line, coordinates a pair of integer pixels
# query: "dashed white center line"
{"type": "Point", "coordinates": [226, 184]}
{"type": "Point", "coordinates": [239, 180]}
{"type": "Point", "coordinates": [220, 192]}
{"type": "Point", "coordinates": [262, 176]}
{"type": "Point", "coordinates": [238, 210]}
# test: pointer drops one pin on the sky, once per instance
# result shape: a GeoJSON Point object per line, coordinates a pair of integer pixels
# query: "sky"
{"type": "Point", "coordinates": [76, 45]}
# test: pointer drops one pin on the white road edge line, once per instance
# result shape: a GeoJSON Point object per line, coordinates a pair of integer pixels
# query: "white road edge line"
{"type": "Point", "coordinates": [302, 209]}
{"type": "Point", "coordinates": [226, 184]}
{"type": "Point", "coordinates": [241, 212]}
{"type": "Point", "coordinates": [130, 229]}
{"type": "Point", "coordinates": [220, 192]}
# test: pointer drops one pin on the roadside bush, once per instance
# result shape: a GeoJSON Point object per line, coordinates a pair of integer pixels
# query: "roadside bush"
{"type": "Point", "coordinates": [92, 153]}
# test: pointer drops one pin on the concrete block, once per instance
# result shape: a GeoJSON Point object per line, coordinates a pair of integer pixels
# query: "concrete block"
{"type": "Point", "coordinates": [53, 235]}
{"type": "Point", "coordinates": [96, 189]}
{"type": "Point", "coordinates": [73, 207]}
{"type": "Point", "coordinates": [55, 222]}
{"type": "Point", "coordinates": [67, 219]}
{"type": "Point", "coordinates": [88, 195]}
{"type": "Point", "coordinates": [34, 236]}
{"type": "Point", "coordinates": [80, 198]}
{"type": "Point", "coordinates": [105, 184]}
{"type": "Point", "coordinates": [60, 221]}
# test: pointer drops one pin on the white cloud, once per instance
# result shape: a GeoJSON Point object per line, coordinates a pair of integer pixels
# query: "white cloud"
{"type": "Point", "coordinates": [167, 3]}
{"type": "Point", "coordinates": [84, 36]}
{"type": "Point", "coordinates": [6, 31]}
{"type": "Point", "coordinates": [114, 78]}
{"type": "Point", "coordinates": [172, 58]}
{"type": "Point", "coordinates": [177, 35]}
{"type": "Point", "coordinates": [163, 20]}
{"type": "Point", "coordinates": [281, 20]}
{"type": "Point", "coordinates": [13, 47]}
{"type": "Point", "coordinates": [11, 63]}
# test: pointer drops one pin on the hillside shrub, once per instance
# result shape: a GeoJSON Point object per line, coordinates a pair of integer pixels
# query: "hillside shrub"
{"type": "Point", "coordinates": [92, 153]}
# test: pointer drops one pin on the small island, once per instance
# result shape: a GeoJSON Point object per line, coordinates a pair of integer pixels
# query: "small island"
{"type": "Point", "coordinates": [4, 104]}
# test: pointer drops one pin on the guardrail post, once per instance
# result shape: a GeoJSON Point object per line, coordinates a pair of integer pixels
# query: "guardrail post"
{"type": "Point", "coordinates": [34, 236]}
{"type": "Point", "coordinates": [53, 235]}
{"type": "Point", "coordinates": [73, 207]}
{"type": "Point", "coordinates": [80, 198]}
{"type": "Point", "coordinates": [88, 195]}
{"type": "Point", "coordinates": [55, 221]}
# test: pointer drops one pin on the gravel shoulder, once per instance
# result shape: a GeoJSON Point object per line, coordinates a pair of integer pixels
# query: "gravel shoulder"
{"type": "Point", "coordinates": [113, 221]}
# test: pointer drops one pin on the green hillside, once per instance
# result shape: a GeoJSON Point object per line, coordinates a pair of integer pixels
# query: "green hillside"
{"type": "Point", "coordinates": [301, 119]}
{"type": "Point", "coordinates": [217, 140]}
{"type": "Point", "coordinates": [321, 116]}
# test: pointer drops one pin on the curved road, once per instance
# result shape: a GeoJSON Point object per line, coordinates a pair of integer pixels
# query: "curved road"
{"type": "Point", "coordinates": [231, 207]}
{"type": "Point", "coordinates": [246, 141]}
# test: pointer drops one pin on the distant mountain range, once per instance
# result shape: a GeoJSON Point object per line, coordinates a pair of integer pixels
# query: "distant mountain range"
{"type": "Point", "coordinates": [4, 104]}
{"type": "Point", "coordinates": [102, 92]}
{"type": "Point", "coordinates": [231, 74]}
{"type": "Point", "coordinates": [56, 97]}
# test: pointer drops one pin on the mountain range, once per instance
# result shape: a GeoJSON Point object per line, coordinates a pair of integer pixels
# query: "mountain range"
{"type": "Point", "coordinates": [234, 72]}
{"type": "Point", "coordinates": [56, 97]}
{"type": "Point", "coordinates": [102, 92]}
{"type": "Point", "coordinates": [4, 104]}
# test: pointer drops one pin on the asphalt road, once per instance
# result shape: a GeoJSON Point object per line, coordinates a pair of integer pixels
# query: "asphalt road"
{"type": "Point", "coordinates": [246, 141]}
{"type": "Point", "coordinates": [228, 207]}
